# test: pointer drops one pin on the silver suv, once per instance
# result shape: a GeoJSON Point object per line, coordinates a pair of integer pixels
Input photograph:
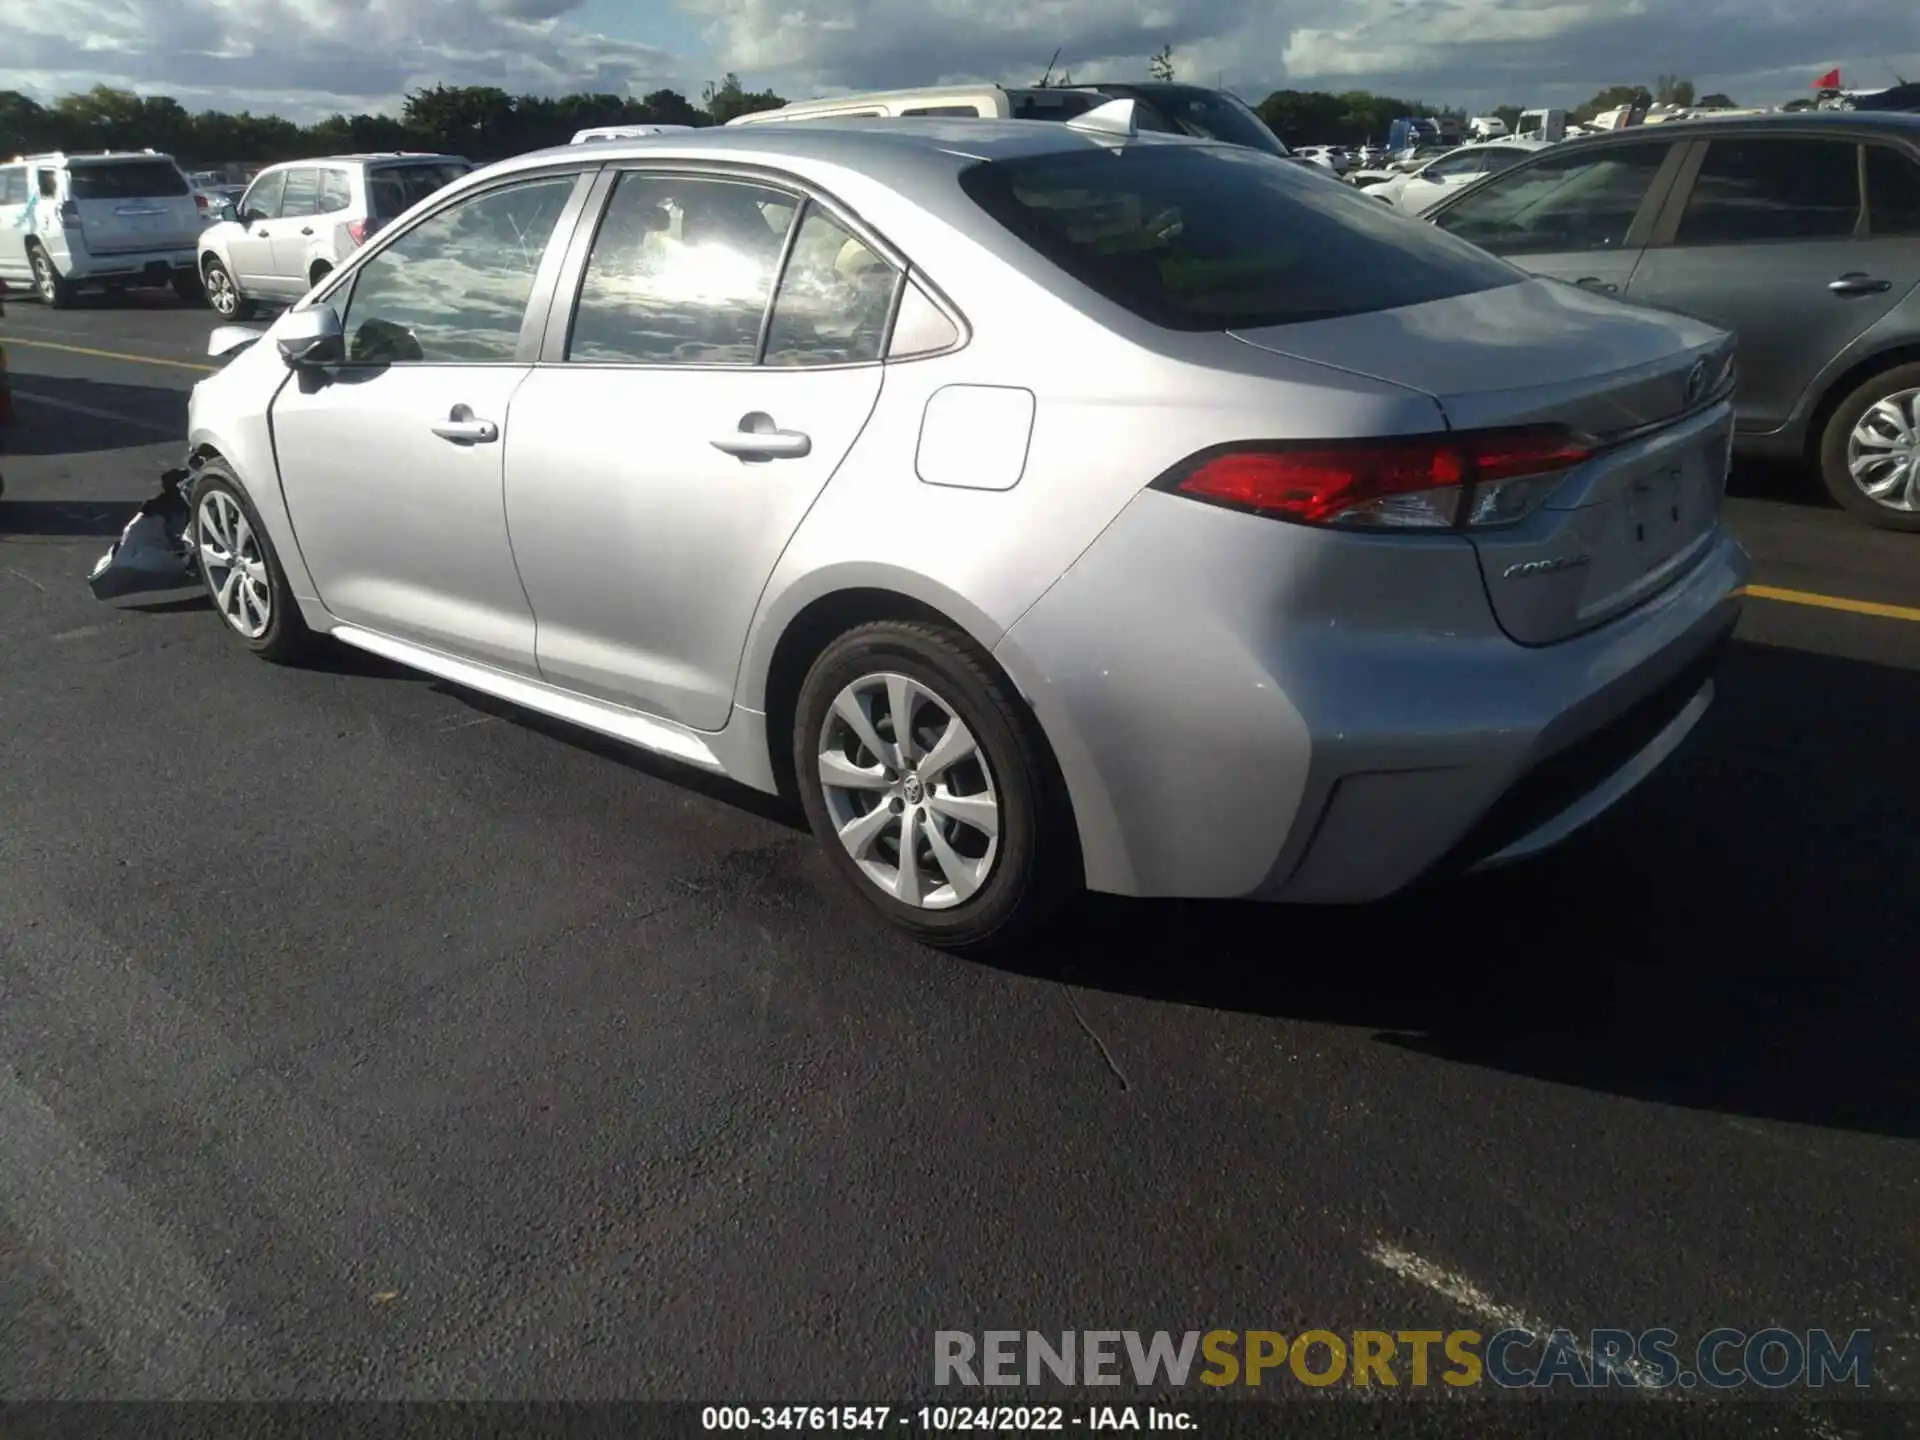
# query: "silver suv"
{"type": "Point", "coordinates": [116, 219]}
{"type": "Point", "coordinates": [300, 220]}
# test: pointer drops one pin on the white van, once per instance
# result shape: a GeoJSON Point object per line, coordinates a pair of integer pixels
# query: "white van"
{"type": "Point", "coordinates": [119, 218]}
{"type": "Point", "coordinates": [624, 132]}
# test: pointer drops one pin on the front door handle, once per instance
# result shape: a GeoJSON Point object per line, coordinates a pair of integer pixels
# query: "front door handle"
{"type": "Point", "coordinates": [758, 438]}
{"type": "Point", "coordinates": [1594, 282]}
{"type": "Point", "coordinates": [306, 229]}
{"type": "Point", "coordinates": [260, 234]}
{"type": "Point", "coordinates": [1855, 283]}
{"type": "Point", "coordinates": [461, 428]}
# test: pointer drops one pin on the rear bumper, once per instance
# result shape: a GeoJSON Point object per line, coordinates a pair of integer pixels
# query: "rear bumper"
{"type": "Point", "coordinates": [155, 266]}
{"type": "Point", "coordinates": [1248, 710]}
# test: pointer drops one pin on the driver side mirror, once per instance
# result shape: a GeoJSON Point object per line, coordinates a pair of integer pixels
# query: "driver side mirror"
{"type": "Point", "coordinates": [249, 217]}
{"type": "Point", "coordinates": [311, 337]}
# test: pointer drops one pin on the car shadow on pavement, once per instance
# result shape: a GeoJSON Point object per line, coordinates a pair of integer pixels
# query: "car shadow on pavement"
{"type": "Point", "coordinates": [1742, 935]}
{"type": "Point", "coordinates": [61, 415]}
{"type": "Point", "coordinates": [68, 518]}
{"type": "Point", "coordinates": [1785, 482]}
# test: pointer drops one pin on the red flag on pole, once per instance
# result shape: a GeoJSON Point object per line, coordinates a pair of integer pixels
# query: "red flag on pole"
{"type": "Point", "coordinates": [1828, 81]}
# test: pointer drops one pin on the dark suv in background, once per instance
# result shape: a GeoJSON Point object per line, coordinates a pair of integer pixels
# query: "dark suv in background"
{"type": "Point", "coordinates": [1799, 233]}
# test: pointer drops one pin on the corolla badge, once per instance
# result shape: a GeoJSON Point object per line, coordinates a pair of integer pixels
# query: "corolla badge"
{"type": "Point", "coordinates": [1696, 384]}
{"type": "Point", "coordinates": [1551, 566]}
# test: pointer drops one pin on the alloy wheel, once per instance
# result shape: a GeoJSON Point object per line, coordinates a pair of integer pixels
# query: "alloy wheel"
{"type": "Point", "coordinates": [44, 280]}
{"type": "Point", "coordinates": [909, 791]}
{"type": "Point", "coordinates": [235, 567]}
{"type": "Point", "coordinates": [1883, 452]}
{"type": "Point", "coordinates": [221, 293]}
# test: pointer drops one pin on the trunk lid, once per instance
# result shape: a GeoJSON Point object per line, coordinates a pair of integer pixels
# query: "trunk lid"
{"type": "Point", "coordinates": [133, 204]}
{"type": "Point", "coordinates": [1649, 387]}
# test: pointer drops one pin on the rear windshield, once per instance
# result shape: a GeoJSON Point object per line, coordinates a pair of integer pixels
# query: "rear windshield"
{"type": "Point", "coordinates": [394, 189]}
{"type": "Point", "coordinates": [1216, 115]}
{"type": "Point", "coordinates": [125, 180]}
{"type": "Point", "coordinates": [1207, 237]}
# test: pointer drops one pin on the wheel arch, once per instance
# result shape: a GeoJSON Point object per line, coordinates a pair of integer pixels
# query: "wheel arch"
{"type": "Point", "coordinates": [771, 682]}
{"type": "Point", "coordinates": [1845, 383]}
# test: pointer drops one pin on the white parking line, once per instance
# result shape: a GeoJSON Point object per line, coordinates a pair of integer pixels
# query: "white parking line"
{"type": "Point", "coordinates": [94, 413]}
{"type": "Point", "coordinates": [1475, 1301]}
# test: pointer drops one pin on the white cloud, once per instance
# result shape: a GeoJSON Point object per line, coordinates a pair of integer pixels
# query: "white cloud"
{"type": "Point", "coordinates": [306, 57]}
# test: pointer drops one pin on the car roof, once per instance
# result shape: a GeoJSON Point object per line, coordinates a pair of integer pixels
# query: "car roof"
{"type": "Point", "coordinates": [1887, 122]}
{"type": "Point", "coordinates": [874, 145]}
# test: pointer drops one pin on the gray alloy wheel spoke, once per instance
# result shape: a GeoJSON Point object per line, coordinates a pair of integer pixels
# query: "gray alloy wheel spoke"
{"type": "Point", "coordinates": [910, 794]}
{"type": "Point", "coordinates": [235, 567]}
{"type": "Point", "coordinates": [1883, 452]}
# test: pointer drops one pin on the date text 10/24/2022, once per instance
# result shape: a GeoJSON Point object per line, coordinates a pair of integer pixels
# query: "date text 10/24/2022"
{"type": "Point", "coordinates": [993, 1418]}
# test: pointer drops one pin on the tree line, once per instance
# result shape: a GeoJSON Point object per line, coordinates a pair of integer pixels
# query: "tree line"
{"type": "Point", "coordinates": [478, 121]}
{"type": "Point", "coordinates": [486, 123]}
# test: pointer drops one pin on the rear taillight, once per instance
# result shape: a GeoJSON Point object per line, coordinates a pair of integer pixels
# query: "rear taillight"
{"type": "Point", "coordinates": [361, 230]}
{"type": "Point", "coordinates": [1427, 482]}
{"type": "Point", "coordinates": [200, 203]}
{"type": "Point", "coordinates": [70, 214]}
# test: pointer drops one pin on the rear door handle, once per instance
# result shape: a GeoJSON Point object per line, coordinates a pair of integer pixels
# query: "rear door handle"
{"type": "Point", "coordinates": [461, 427]}
{"type": "Point", "coordinates": [1855, 283]}
{"type": "Point", "coordinates": [306, 229]}
{"type": "Point", "coordinates": [758, 438]}
{"type": "Point", "coordinates": [1594, 282]}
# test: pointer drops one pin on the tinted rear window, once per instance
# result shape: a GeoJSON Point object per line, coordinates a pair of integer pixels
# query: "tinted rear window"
{"type": "Point", "coordinates": [1209, 237]}
{"type": "Point", "coordinates": [396, 188]}
{"type": "Point", "coordinates": [125, 180]}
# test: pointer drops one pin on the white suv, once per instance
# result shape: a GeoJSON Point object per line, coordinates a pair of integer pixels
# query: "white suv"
{"type": "Point", "coordinates": [300, 220]}
{"type": "Point", "coordinates": [117, 219]}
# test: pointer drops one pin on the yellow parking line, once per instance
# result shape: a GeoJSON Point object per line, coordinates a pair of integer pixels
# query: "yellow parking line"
{"type": "Point", "coordinates": [1833, 602]}
{"type": "Point", "coordinates": [108, 354]}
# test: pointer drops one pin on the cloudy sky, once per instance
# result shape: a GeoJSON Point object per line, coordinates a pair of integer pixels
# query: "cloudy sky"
{"type": "Point", "coordinates": [304, 58]}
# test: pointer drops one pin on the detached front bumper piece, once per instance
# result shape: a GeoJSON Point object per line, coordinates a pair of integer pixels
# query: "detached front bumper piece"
{"type": "Point", "coordinates": [154, 551]}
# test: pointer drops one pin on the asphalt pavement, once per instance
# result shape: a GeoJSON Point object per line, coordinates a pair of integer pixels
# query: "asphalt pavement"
{"type": "Point", "coordinates": [361, 1038]}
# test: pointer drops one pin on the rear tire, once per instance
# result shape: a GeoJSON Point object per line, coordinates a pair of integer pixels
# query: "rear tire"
{"type": "Point", "coordinates": [242, 572]}
{"type": "Point", "coordinates": [53, 288]}
{"type": "Point", "coordinates": [223, 294]}
{"type": "Point", "coordinates": [994, 853]}
{"type": "Point", "coordinates": [1856, 435]}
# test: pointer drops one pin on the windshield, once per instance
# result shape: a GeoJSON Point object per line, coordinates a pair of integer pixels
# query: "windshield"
{"type": "Point", "coordinates": [394, 189]}
{"type": "Point", "coordinates": [125, 180]}
{"type": "Point", "coordinates": [1216, 115]}
{"type": "Point", "coordinates": [1221, 238]}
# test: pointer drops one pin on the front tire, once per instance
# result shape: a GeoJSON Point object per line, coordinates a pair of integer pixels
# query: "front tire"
{"type": "Point", "coordinates": [1870, 450]}
{"type": "Point", "coordinates": [53, 288]}
{"type": "Point", "coordinates": [223, 295]}
{"type": "Point", "coordinates": [242, 573]}
{"type": "Point", "coordinates": [961, 835]}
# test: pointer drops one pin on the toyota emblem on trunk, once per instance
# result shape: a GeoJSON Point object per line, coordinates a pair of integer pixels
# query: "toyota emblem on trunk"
{"type": "Point", "coordinates": [1696, 384]}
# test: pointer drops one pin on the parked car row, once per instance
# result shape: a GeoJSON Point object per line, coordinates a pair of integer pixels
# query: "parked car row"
{"type": "Point", "coordinates": [123, 220]}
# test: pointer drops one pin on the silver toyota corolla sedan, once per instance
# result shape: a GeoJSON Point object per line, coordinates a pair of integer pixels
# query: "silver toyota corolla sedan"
{"type": "Point", "coordinates": [1045, 506]}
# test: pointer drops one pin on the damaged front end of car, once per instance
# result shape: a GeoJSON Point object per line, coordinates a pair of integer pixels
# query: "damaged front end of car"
{"type": "Point", "coordinates": [155, 551]}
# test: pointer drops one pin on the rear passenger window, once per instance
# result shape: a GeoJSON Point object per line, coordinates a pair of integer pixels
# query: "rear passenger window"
{"type": "Point", "coordinates": [1773, 189]}
{"type": "Point", "coordinates": [49, 185]}
{"type": "Point", "coordinates": [833, 300]}
{"type": "Point", "coordinates": [680, 272]}
{"type": "Point", "coordinates": [1893, 192]}
{"type": "Point", "coordinates": [335, 193]}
